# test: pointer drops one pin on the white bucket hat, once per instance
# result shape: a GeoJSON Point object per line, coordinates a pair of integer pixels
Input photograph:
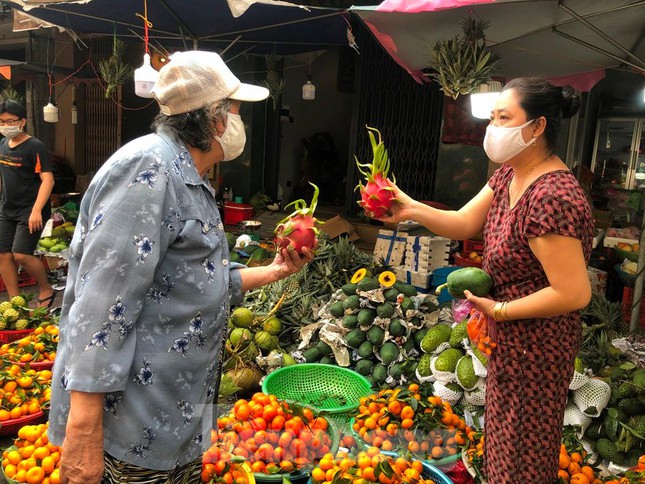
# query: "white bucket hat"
{"type": "Point", "coordinates": [194, 79]}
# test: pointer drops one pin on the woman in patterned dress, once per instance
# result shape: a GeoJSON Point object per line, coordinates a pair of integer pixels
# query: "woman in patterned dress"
{"type": "Point", "coordinates": [537, 228]}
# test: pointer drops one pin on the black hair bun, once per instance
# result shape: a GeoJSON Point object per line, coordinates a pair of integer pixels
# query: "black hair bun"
{"type": "Point", "coordinates": [570, 102]}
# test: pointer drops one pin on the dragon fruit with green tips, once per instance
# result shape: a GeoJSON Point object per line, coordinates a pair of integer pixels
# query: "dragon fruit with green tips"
{"type": "Point", "coordinates": [376, 194]}
{"type": "Point", "coordinates": [299, 230]}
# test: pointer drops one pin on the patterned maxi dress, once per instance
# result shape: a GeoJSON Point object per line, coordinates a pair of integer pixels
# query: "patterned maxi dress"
{"type": "Point", "coordinates": [530, 370]}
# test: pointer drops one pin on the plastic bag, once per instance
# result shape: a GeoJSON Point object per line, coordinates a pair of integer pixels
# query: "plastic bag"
{"type": "Point", "coordinates": [461, 308]}
{"type": "Point", "coordinates": [477, 328]}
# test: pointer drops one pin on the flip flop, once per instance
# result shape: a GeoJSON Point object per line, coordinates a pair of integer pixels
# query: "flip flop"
{"type": "Point", "coordinates": [49, 300]}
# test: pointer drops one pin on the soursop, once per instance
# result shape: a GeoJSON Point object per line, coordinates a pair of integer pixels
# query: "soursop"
{"type": "Point", "coordinates": [607, 449]}
{"type": "Point", "coordinates": [483, 359]}
{"type": "Point", "coordinates": [447, 360]}
{"type": "Point", "coordinates": [466, 373]}
{"type": "Point", "coordinates": [436, 335]}
{"type": "Point", "coordinates": [423, 368]}
{"type": "Point", "coordinates": [638, 379]}
{"type": "Point", "coordinates": [459, 333]}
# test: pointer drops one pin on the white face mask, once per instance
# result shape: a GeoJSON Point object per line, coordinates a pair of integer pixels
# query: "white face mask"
{"type": "Point", "coordinates": [502, 144]}
{"type": "Point", "coordinates": [234, 138]}
{"type": "Point", "coordinates": [10, 132]}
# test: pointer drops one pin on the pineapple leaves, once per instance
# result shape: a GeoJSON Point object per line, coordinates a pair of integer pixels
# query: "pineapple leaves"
{"type": "Point", "coordinates": [463, 63]}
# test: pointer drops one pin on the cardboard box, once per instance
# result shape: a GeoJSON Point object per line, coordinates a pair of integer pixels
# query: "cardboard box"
{"type": "Point", "coordinates": [390, 246]}
{"type": "Point", "coordinates": [419, 279]}
{"type": "Point", "coordinates": [598, 280]}
{"type": "Point", "coordinates": [336, 226]}
{"type": "Point", "coordinates": [424, 253]}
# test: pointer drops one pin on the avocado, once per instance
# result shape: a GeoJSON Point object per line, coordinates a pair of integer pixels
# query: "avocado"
{"type": "Point", "coordinates": [469, 278]}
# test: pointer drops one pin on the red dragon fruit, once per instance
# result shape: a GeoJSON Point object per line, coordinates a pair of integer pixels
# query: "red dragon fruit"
{"type": "Point", "coordinates": [299, 229]}
{"type": "Point", "coordinates": [376, 194]}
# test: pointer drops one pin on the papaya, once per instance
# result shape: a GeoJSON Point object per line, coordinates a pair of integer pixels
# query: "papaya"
{"type": "Point", "coordinates": [349, 289]}
{"type": "Point", "coordinates": [472, 279]}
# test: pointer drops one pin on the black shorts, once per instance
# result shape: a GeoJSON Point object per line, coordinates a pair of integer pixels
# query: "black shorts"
{"type": "Point", "coordinates": [15, 236]}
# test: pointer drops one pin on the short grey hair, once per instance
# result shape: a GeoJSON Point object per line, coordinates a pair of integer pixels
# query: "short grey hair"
{"type": "Point", "coordinates": [195, 128]}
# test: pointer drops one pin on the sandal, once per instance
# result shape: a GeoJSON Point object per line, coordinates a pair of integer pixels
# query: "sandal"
{"type": "Point", "coordinates": [48, 300]}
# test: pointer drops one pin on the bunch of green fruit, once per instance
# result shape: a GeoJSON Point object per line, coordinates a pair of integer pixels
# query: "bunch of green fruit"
{"type": "Point", "coordinates": [251, 335]}
{"type": "Point", "coordinates": [618, 434]}
{"type": "Point", "coordinates": [59, 239]}
{"type": "Point", "coordinates": [383, 322]}
{"type": "Point", "coordinates": [16, 315]}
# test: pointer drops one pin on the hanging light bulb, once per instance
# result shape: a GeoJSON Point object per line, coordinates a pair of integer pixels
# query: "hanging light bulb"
{"type": "Point", "coordinates": [145, 78]}
{"type": "Point", "coordinates": [50, 112]}
{"type": "Point", "coordinates": [482, 100]}
{"type": "Point", "coordinates": [74, 113]}
{"type": "Point", "coordinates": [74, 109]}
{"type": "Point", "coordinates": [308, 90]}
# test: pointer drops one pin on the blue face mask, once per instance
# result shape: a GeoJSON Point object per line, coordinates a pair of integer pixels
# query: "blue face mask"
{"type": "Point", "coordinates": [501, 144]}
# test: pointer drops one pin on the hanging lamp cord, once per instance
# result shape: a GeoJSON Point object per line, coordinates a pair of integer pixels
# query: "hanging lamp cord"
{"type": "Point", "coordinates": [146, 25]}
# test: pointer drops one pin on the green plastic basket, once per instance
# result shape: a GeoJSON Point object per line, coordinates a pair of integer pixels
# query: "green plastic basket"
{"type": "Point", "coordinates": [331, 389]}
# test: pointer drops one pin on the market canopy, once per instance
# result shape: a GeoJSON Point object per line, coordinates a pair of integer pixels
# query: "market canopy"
{"type": "Point", "coordinates": [550, 38]}
{"type": "Point", "coordinates": [258, 27]}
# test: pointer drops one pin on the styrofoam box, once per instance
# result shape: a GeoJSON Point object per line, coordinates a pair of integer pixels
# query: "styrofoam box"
{"type": "Point", "coordinates": [419, 279]}
{"type": "Point", "coordinates": [614, 241]}
{"type": "Point", "coordinates": [424, 253]}
{"type": "Point", "coordinates": [390, 245]}
{"type": "Point", "coordinates": [597, 238]}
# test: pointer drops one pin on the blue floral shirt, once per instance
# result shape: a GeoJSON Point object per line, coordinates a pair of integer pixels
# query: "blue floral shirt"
{"type": "Point", "coordinates": [145, 308]}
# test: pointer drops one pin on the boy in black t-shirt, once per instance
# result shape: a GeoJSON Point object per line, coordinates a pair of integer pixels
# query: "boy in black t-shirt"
{"type": "Point", "coordinates": [27, 182]}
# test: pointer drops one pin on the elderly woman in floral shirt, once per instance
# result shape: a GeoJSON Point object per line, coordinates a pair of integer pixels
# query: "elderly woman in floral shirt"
{"type": "Point", "coordinates": [149, 288]}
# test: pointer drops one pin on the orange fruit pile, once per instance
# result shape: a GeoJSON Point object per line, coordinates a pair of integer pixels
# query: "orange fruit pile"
{"type": "Point", "coordinates": [38, 346]}
{"type": "Point", "coordinates": [23, 391]}
{"type": "Point", "coordinates": [32, 459]}
{"type": "Point", "coordinates": [225, 471]}
{"type": "Point", "coordinates": [272, 436]}
{"type": "Point", "coordinates": [367, 467]}
{"type": "Point", "coordinates": [404, 420]}
{"type": "Point", "coordinates": [573, 468]}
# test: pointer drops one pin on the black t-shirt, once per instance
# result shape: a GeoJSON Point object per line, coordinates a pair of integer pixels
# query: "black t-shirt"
{"type": "Point", "coordinates": [20, 169]}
